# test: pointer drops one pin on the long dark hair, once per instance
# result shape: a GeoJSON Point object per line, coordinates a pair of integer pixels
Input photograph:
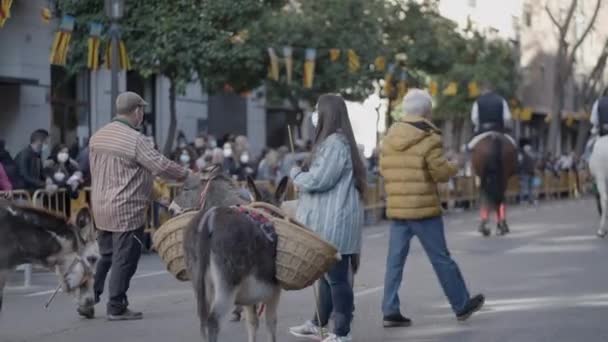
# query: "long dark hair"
{"type": "Point", "coordinates": [333, 118]}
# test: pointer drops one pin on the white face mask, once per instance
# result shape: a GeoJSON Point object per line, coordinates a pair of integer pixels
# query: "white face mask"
{"type": "Point", "coordinates": [63, 157]}
{"type": "Point", "coordinates": [212, 143]}
{"type": "Point", "coordinates": [244, 158]}
{"type": "Point", "coordinates": [184, 158]}
{"type": "Point", "coordinates": [227, 153]}
{"type": "Point", "coordinates": [200, 163]}
{"type": "Point", "coordinates": [198, 143]}
{"type": "Point", "coordinates": [314, 118]}
{"type": "Point", "coordinates": [59, 176]}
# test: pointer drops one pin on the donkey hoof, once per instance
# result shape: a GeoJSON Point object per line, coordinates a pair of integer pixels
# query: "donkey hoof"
{"type": "Point", "coordinates": [87, 312]}
{"type": "Point", "coordinates": [483, 229]}
{"type": "Point", "coordinates": [502, 229]}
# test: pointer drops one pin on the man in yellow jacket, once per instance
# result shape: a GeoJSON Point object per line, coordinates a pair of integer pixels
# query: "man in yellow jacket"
{"type": "Point", "coordinates": [412, 163]}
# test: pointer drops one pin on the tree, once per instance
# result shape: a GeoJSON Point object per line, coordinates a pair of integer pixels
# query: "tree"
{"type": "Point", "coordinates": [564, 62]}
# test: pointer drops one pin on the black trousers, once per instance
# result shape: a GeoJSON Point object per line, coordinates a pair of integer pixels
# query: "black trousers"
{"type": "Point", "coordinates": [120, 252]}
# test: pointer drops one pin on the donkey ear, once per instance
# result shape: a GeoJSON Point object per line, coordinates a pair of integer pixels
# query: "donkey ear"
{"type": "Point", "coordinates": [279, 195]}
{"type": "Point", "coordinates": [254, 189]}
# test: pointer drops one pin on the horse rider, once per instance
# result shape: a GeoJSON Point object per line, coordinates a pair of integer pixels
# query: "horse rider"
{"type": "Point", "coordinates": [490, 113]}
{"type": "Point", "coordinates": [599, 120]}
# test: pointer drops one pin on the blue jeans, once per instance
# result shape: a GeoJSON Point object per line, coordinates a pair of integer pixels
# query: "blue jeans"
{"type": "Point", "coordinates": [525, 185]}
{"type": "Point", "coordinates": [431, 235]}
{"type": "Point", "coordinates": [336, 295]}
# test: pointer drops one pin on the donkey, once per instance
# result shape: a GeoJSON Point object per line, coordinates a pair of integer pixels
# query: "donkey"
{"type": "Point", "coordinates": [229, 256]}
{"type": "Point", "coordinates": [31, 235]}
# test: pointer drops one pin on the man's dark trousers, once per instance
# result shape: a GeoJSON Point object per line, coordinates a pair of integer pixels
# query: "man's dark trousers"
{"type": "Point", "coordinates": [120, 252]}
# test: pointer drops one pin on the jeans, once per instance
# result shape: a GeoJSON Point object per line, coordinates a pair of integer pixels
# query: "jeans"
{"type": "Point", "coordinates": [525, 184]}
{"type": "Point", "coordinates": [431, 235]}
{"type": "Point", "coordinates": [336, 295]}
{"type": "Point", "coordinates": [119, 251]}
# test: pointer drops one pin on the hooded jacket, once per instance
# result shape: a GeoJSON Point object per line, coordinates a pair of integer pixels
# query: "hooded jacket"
{"type": "Point", "coordinates": [412, 163]}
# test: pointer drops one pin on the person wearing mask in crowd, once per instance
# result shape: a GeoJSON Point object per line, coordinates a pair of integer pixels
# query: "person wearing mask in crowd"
{"type": "Point", "coordinates": [230, 166]}
{"type": "Point", "coordinates": [204, 160]}
{"type": "Point", "coordinates": [267, 170]}
{"type": "Point", "coordinates": [245, 168]}
{"type": "Point", "coordinates": [63, 171]}
{"type": "Point", "coordinates": [10, 167]}
{"type": "Point", "coordinates": [187, 158]}
{"type": "Point", "coordinates": [29, 161]}
{"type": "Point", "coordinates": [527, 169]}
{"type": "Point", "coordinates": [182, 143]}
{"type": "Point", "coordinates": [331, 203]}
{"type": "Point", "coordinates": [200, 145]}
{"type": "Point", "coordinates": [123, 166]}
{"type": "Point", "coordinates": [412, 164]}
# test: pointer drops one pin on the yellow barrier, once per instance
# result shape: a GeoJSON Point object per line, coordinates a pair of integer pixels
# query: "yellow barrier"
{"type": "Point", "coordinates": [17, 196]}
{"type": "Point", "coordinates": [57, 201]}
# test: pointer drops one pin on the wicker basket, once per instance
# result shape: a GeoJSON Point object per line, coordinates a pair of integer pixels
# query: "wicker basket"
{"type": "Point", "coordinates": [168, 241]}
{"type": "Point", "coordinates": [302, 257]}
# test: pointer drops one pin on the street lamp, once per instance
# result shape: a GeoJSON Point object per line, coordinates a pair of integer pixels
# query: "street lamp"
{"type": "Point", "coordinates": [114, 10]}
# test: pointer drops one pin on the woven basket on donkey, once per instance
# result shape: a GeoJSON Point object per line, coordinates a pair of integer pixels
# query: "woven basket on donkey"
{"type": "Point", "coordinates": [168, 241]}
{"type": "Point", "coordinates": [302, 256]}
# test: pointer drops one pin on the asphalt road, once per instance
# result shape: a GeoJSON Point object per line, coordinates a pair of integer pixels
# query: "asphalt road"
{"type": "Point", "coordinates": [546, 281]}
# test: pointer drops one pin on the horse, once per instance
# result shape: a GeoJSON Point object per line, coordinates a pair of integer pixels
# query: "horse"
{"type": "Point", "coordinates": [494, 160]}
{"type": "Point", "coordinates": [30, 235]}
{"type": "Point", "coordinates": [229, 256]}
{"type": "Point", "coordinates": [597, 165]}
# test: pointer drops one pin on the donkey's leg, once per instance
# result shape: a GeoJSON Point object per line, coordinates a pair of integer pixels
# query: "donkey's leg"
{"type": "Point", "coordinates": [3, 278]}
{"type": "Point", "coordinates": [252, 322]}
{"type": "Point", "coordinates": [271, 314]}
{"type": "Point", "coordinates": [223, 300]}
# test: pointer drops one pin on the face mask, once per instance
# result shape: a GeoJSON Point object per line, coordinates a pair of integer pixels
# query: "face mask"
{"type": "Point", "coordinates": [184, 158]}
{"type": "Point", "coordinates": [200, 163]}
{"type": "Point", "coordinates": [227, 153]}
{"type": "Point", "coordinates": [314, 118]}
{"type": "Point", "coordinates": [63, 157]}
{"type": "Point", "coordinates": [212, 143]}
{"type": "Point", "coordinates": [198, 143]}
{"type": "Point", "coordinates": [59, 176]}
{"type": "Point", "coordinates": [245, 159]}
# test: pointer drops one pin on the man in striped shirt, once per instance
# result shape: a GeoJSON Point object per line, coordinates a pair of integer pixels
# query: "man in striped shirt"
{"type": "Point", "coordinates": [123, 166]}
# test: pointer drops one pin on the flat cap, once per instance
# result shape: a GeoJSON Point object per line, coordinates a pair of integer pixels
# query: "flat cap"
{"type": "Point", "coordinates": [128, 101]}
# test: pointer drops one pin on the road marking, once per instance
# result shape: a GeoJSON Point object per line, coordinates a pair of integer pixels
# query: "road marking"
{"type": "Point", "coordinates": [375, 236]}
{"type": "Point", "coordinates": [369, 291]}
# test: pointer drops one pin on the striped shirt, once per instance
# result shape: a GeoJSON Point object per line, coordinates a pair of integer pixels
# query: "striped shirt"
{"type": "Point", "coordinates": [123, 165]}
{"type": "Point", "coordinates": [329, 201]}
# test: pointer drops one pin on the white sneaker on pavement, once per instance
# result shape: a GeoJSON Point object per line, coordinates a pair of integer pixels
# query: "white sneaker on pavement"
{"type": "Point", "coordinates": [334, 338]}
{"type": "Point", "coordinates": [308, 330]}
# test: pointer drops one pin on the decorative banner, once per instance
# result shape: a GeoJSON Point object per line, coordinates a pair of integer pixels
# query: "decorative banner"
{"type": "Point", "coordinates": [451, 89]}
{"type": "Point", "coordinates": [334, 54]}
{"type": "Point", "coordinates": [402, 85]}
{"type": "Point", "coordinates": [309, 67]}
{"type": "Point", "coordinates": [380, 63]}
{"type": "Point", "coordinates": [273, 70]}
{"type": "Point", "coordinates": [388, 80]}
{"type": "Point", "coordinates": [433, 88]}
{"type": "Point", "coordinates": [5, 11]}
{"type": "Point", "coordinates": [123, 57]}
{"type": "Point", "coordinates": [473, 90]}
{"type": "Point", "coordinates": [288, 55]}
{"type": "Point", "coordinates": [93, 46]}
{"type": "Point", "coordinates": [46, 14]}
{"type": "Point", "coordinates": [353, 61]}
{"type": "Point", "coordinates": [61, 43]}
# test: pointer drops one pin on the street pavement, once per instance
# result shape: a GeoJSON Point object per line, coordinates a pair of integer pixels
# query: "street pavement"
{"type": "Point", "coordinates": [543, 282]}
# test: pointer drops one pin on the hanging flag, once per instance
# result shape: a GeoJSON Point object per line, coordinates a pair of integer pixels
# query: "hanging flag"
{"type": "Point", "coordinates": [93, 45]}
{"type": "Point", "coordinates": [402, 85]}
{"type": "Point", "coordinates": [309, 67]}
{"type": "Point", "coordinates": [388, 81]}
{"type": "Point", "coordinates": [46, 14]}
{"type": "Point", "coordinates": [273, 70]}
{"type": "Point", "coordinates": [288, 55]}
{"type": "Point", "coordinates": [334, 54]}
{"type": "Point", "coordinates": [123, 58]}
{"type": "Point", "coordinates": [5, 11]}
{"type": "Point", "coordinates": [451, 89]}
{"type": "Point", "coordinates": [433, 88]}
{"type": "Point", "coordinates": [380, 63]}
{"type": "Point", "coordinates": [353, 61]}
{"type": "Point", "coordinates": [61, 43]}
{"type": "Point", "coordinates": [473, 90]}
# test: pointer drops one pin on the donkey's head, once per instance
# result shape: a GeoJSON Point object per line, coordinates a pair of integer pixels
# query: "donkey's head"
{"type": "Point", "coordinates": [263, 194]}
{"type": "Point", "coordinates": [212, 189]}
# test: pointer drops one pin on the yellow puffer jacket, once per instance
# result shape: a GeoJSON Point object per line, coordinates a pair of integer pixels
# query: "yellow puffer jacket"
{"type": "Point", "coordinates": [412, 163]}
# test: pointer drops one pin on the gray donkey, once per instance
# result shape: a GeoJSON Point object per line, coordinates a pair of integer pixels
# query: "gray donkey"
{"type": "Point", "coordinates": [230, 258]}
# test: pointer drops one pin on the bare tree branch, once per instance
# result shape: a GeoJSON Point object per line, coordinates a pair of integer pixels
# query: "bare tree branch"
{"type": "Point", "coordinates": [555, 22]}
{"type": "Point", "coordinates": [570, 15]}
{"type": "Point", "coordinates": [587, 30]}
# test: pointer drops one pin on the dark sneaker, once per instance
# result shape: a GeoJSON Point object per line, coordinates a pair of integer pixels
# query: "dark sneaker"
{"type": "Point", "coordinates": [472, 307]}
{"type": "Point", "coordinates": [396, 321]}
{"type": "Point", "coordinates": [127, 315]}
{"type": "Point", "coordinates": [87, 312]}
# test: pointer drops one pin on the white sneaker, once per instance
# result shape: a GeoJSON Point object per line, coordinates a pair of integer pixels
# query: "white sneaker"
{"type": "Point", "coordinates": [334, 338]}
{"type": "Point", "coordinates": [308, 330]}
